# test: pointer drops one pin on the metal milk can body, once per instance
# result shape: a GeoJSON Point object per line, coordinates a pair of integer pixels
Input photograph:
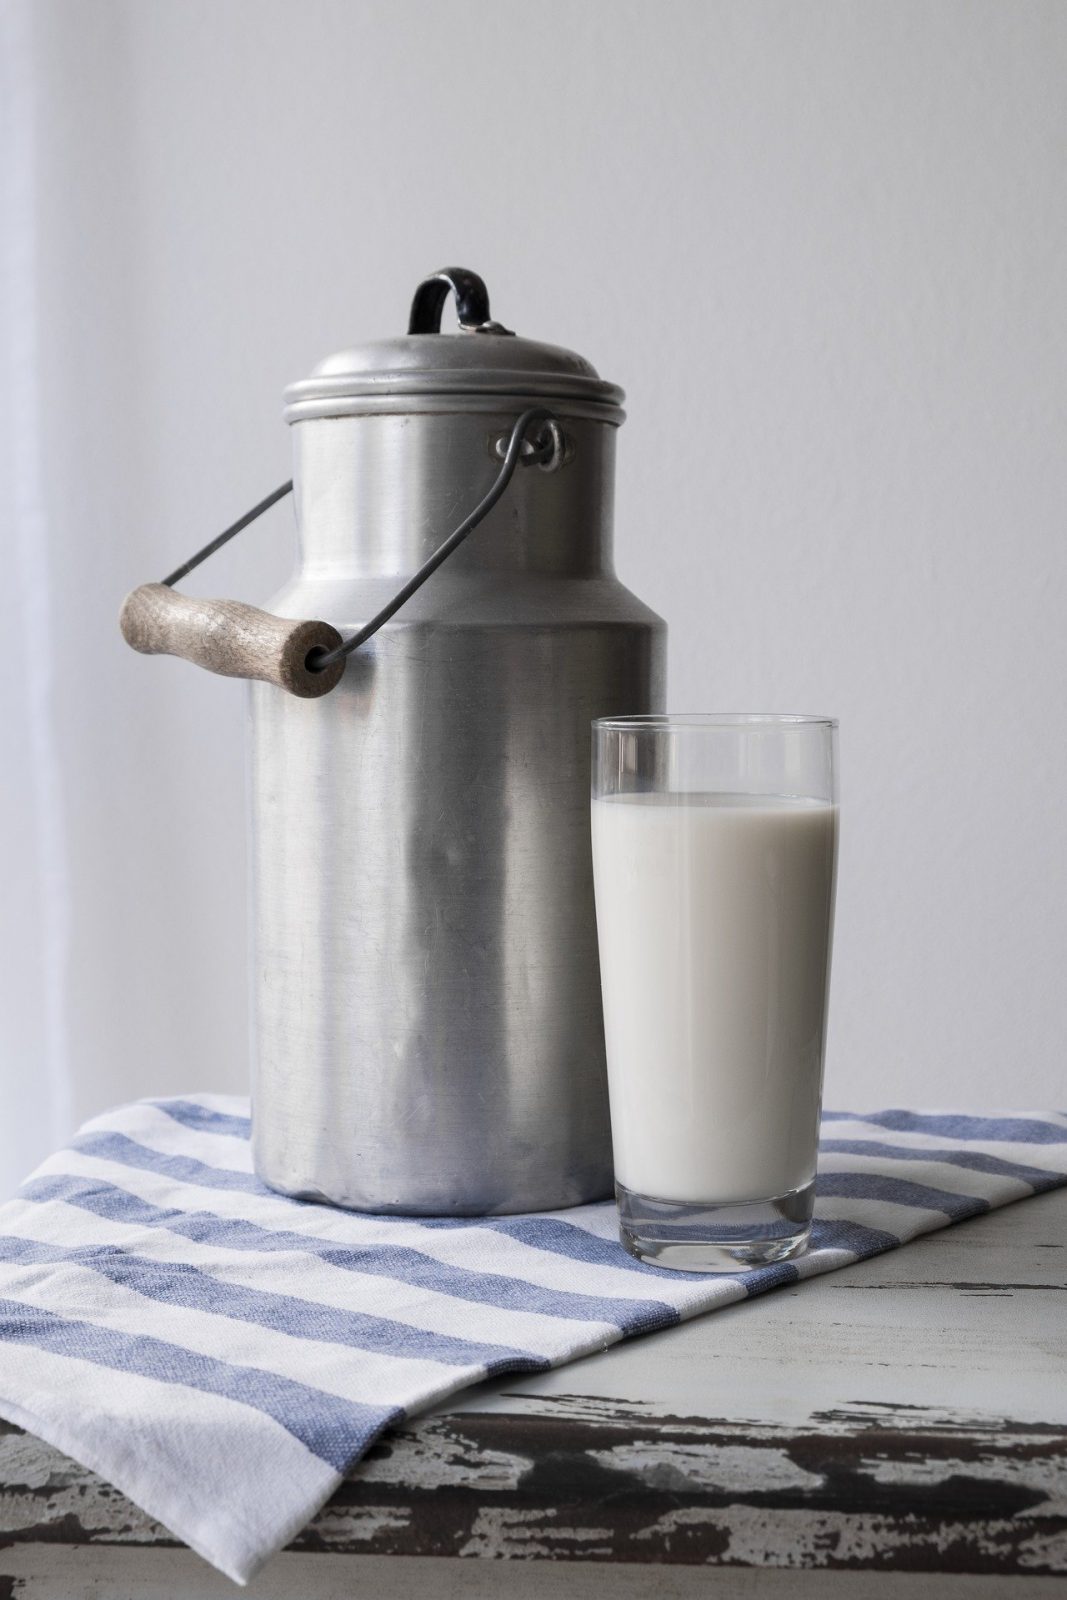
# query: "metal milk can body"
{"type": "Point", "coordinates": [427, 1031]}
{"type": "Point", "coordinates": [425, 986]}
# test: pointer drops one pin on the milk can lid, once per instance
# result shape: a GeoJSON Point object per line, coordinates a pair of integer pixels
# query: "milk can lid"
{"type": "Point", "coordinates": [482, 367]}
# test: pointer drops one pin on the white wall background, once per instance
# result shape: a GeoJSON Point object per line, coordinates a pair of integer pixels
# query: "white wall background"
{"type": "Point", "coordinates": [823, 245]}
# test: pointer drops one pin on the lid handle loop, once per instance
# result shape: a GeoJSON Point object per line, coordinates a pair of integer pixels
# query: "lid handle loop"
{"type": "Point", "coordinates": [472, 303]}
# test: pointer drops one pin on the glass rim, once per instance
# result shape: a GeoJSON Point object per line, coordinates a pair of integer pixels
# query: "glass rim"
{"type": "Point", "coordinates": [725, 721]}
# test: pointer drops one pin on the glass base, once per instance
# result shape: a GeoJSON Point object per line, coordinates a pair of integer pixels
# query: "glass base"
{"type": "Point", "coordinates": [709, 1236]}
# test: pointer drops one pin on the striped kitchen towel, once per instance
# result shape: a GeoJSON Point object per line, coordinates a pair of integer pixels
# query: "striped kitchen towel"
{"type": "Point", "coordinates": [224, 1355]}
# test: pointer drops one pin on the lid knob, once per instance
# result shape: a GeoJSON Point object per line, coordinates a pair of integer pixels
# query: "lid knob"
{"type": "Point", "coordinates": [472, 303]}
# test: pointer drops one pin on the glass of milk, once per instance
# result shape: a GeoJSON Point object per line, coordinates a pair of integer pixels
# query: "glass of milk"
{"type": "Point", "coordinates": [714, 855]}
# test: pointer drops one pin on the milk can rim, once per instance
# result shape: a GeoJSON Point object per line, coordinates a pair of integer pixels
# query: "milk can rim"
{"type": "Point", "coordinates": [442, 365]}
{"type": "Point", "coordinates": [448, 369]}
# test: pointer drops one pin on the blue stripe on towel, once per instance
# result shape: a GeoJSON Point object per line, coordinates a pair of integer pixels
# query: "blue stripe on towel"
{"type": "Point", "coordinates": [127, 1152]}
{"type": "Point", "coordinates": [773, 1276]}
{"type": "Point", "coordinates": [333, 1429]}
{"type": "Point", "coordinates": [860, 1241]}
{"type": "Point", "coordinates": [969, 1160]}
{"type": "Point", "coordinates": [954, 1125]}
{"type": "Point", "coordinates": [381, 1260]}
{"type": "Point", "coordinates": [898, 1191]}
{"type": "Point", "coordinates": [203, 1119]}
{"type": "Point", "coordinates": [178, 1283]}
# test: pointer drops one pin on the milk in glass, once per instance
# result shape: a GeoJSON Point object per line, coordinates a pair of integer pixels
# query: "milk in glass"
{"type": "Point", "coordinates": [714, 919]}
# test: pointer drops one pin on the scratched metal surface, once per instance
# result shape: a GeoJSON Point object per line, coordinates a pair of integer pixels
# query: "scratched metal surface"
{"type": "Point", "coordinates": [906, 1416]}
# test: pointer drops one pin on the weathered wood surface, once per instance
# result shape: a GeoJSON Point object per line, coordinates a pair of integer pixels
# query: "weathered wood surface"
{"type": "Point", "coordinates": [905, 1416]}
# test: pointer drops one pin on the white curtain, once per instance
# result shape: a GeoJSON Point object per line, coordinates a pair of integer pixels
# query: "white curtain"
{"type": "Point", "coordinates": [34, 927]}
{"type": "Point", "coordinates": [122, 952]}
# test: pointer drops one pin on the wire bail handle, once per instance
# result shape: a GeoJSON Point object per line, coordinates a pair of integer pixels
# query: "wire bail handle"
{"type": "Point", "coordinates": [539, 452]}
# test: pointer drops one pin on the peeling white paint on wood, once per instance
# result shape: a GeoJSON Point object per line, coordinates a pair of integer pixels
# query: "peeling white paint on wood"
{"type": "Point", "coordinates": [1045, 1475]}
{"type": "Point", "coordinates": [501, 1534]}
{"type": "Point", "coordinates": [109, 1516]}
{"type": "Point", "coordinates": [351, 1527]}
{"type": "Point", "coordinates": [431, 1460]}
{"type": "Point", "coordinates": [742, 1469]}
{"type": "Point", "coordinates": [805, 1539]}
{"type": "Point", "coordinates": [815, 1539]}
{"type": "Point", "coordinates": [1047, 1552]}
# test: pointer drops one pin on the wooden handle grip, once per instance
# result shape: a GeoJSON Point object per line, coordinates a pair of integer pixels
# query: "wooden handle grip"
{"type": "Point", "coordinates": [225, 636]}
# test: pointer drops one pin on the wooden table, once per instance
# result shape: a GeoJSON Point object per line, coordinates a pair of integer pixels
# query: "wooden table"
{"type": "Point", "coordinates": [877, 1431]}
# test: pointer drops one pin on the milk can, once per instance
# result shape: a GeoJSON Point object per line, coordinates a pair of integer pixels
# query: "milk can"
{"type": "Point", "coordinates": [426, 1024]}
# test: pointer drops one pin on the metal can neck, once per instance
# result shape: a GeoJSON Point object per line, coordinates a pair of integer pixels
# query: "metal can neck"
{"type": "Point", "coordinates": [373, 494]}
